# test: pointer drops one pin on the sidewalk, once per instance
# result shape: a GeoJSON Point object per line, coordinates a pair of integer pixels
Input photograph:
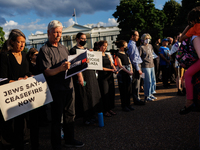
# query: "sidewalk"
{"type": "Point", "coordinates": [155, 126]}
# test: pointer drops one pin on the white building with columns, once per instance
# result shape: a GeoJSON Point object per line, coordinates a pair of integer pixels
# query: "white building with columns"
{"type": "Point", "coordinates": [93, 34]}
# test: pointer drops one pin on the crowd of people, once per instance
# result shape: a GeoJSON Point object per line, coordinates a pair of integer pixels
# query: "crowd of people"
{"type": "Point", "coordinates": [135, 67]}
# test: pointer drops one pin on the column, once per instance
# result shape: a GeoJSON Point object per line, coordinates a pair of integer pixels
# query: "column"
{"type": "Point", "coordinates": [91, 39]}
{"type": "Point", "coordinates": [71, 38]}
{"type": "Point", "coordinates": [62, 42]}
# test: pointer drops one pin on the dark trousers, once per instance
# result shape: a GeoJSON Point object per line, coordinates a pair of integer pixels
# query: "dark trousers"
{"type": "Point", "coordinates": [165, 74]}
{"type": "Point", "coordinates": [107, 90]}
{"type": "Point", "coordinates": [172, 72]}
{"type": "Point", "coordinates": [136, 85]}
{"type": "Point", "coordinates": [63, 104]}
{"type": "Point", "coordinates": [34, 128]}
{"type": "Point", "coordinates": [156, 67]}
{"type": "Point", "coordinates": [13, 132]}
{"type": "Point", "coordinates": [124, 83]}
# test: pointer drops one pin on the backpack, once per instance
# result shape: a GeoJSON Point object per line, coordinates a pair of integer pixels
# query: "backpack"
{"type": "Point", "coordinates": [186, 54]}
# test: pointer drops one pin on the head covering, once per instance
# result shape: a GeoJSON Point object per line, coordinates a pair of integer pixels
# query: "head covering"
{"type": "Point", "coordinates": [54, 24]}
{"type": "Point", "coordinates": [165, 39]}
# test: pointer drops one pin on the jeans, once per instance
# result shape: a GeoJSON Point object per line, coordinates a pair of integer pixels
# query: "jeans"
{"type": "Point", "coordinates": [149, 81]}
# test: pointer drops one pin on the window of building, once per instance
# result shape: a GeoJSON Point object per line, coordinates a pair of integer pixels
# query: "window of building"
{"type": "Point", "coordinates": [111, 37]}
{"type": "Point", "coordinates": [113, 46]}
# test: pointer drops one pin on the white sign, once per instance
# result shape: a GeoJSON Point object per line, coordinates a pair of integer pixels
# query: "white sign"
{"type": "Point", "coordinates": [95, 59]}
{"type": "Point", "coordinates": [22, 96]}
{"type": "Point", "coordinates": [175, 48]}
{"type": "Point", "coordinates": [154, 55]}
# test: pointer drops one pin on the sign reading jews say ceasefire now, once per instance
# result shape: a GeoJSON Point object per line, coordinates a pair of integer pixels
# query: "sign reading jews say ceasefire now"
{"type": "Point", "coordinates": [22, 96]}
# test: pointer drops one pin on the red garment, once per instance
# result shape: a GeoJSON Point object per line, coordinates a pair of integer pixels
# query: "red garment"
{"type": "Point", "coordinates": [195, 30]}
{"type": "Point", "coordinates": [115, 61]}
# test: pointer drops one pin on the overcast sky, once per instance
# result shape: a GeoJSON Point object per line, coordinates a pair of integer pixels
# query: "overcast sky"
{"type": "Point", "coordinates": [33, 16]}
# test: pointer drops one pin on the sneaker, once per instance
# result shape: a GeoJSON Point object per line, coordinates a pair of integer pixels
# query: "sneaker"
{"type": "Point", "coordinates": [74, 144]}
{"type": "Point", "coordinates": [152, 97]}
{"type": "Point", "coordinates": [148, 99]}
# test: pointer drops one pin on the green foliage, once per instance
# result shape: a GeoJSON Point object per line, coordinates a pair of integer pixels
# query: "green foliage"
{"type": "Point", "coordinates": [25, 50]}
{"type": "Point", "coordinates": [139, 15]}
{"type": "Point", "coordinates": [172, 11]}
{"type": "Point", "coordinates": [2, 38]}
{"type": "Point", "coordinates": [187, 6]}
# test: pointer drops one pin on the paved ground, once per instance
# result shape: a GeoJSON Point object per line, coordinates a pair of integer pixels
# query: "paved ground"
{"type": "Point", "coordinates": [155, 126]}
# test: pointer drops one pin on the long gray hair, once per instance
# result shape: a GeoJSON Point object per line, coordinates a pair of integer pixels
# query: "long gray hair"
{"type": "Point", "coordinates": [14, 33]}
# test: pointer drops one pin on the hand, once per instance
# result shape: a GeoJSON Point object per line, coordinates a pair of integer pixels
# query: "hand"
{"type": "Point", "coordinates": [91, 50]}
{"type": "Point", "coordinates": [26, 77]}
{"type": "Point", "coordinates": [168, 61]}
{"type": "Point", "coordinates": [11, 81]}
{"type": "Point", "coordinates": [81, 82]}
{"type": "Point", "coordinates": [80, 79]}
{"type": "Point", "coordinates": [140, 72]}
{"type": "Point", "coordinates": [130, 72]}
{"type": "Point", "coordinates": [65, 65]}
{"type": "Point", "coordinates": [23, 78]}
{"type": "Point", "coordinates": [113, 70]}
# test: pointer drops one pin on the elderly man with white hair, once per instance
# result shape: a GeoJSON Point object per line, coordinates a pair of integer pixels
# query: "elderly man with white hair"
{"type": "Point", "coordinates": [52, 61]}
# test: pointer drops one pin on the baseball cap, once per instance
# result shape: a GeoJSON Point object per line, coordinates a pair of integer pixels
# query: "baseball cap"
{"type": "Point", "coordinates": [165, 39]}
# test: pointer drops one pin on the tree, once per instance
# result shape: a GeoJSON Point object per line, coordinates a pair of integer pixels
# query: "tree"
{"type": "Point", "coordinates": [25, 49]}
{"type": "Point", "coordinates": [2, 38]}
{"type": "Point", "coordinates": [172, 12]}
{"type": "Point", "coordinates": [187, 6]}
{"type": "Point", "coordinates": [139, 15]}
